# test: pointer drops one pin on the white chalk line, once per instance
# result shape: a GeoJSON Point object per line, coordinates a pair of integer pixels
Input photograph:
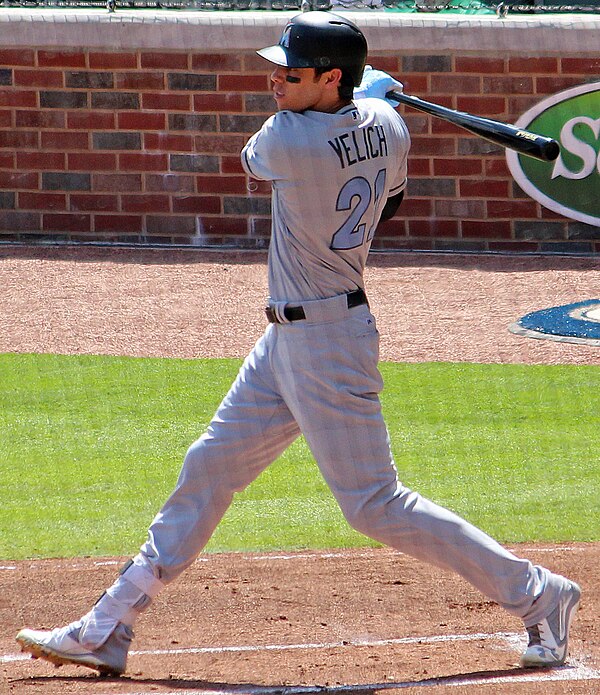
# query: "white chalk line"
{"type": "Point", "coordinates": [510, 637]}
{"type": "Point", "coordinates": [577, 671]}
{"type": "Point", "coordinates": [275, 557]}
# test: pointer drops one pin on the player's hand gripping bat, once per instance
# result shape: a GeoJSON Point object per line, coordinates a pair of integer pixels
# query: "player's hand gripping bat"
{"type": "Point", "coordinates": [503, 134]}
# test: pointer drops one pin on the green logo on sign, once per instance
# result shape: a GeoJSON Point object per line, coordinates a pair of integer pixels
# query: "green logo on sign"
{"type": "Point", "coordinates": [571, 184]}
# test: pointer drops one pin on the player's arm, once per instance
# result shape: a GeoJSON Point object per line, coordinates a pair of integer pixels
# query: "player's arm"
{"type": "Point", "coordinates": [391, 206]}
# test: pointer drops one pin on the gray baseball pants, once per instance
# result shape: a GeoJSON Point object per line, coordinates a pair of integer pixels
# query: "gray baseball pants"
{"type": "Point", "coordinates": [319, 377]}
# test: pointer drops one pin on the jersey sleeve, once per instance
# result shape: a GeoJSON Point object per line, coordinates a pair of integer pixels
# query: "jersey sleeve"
{"type": "Point", "coordinates": [264, 157]}
{"type": "Point", "coordinates": [403, 142]}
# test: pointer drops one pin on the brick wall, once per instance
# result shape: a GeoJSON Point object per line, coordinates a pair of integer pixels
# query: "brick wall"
{"type": "Point", "coordinates": [142, 146]}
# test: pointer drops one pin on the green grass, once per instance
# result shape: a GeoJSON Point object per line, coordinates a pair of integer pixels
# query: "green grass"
{"type": "Point", "coordinates": [91, 446]}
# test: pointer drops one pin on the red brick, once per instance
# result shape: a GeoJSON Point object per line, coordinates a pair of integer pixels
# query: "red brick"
{"type": "Point", "coordinates": [549, 85]}
{"type": "Point", "coordinates": [218, 102]}
{"type": "Point", "coordinates": [581, 66]}
{"type": "Point", "coordinates": [5, 119]}
{"type": "Point", "coordinates": [508, 84]}
{"type": "Point", "coordinates": [42, 201]}
{"type": "Point", "coordinates": [457, 167]}
{"type": "Point", "coordinates": [512, 209]}
{"type": "Point", "coordinates": [40, 119]}
{"type": "Point", "coordinates": [39, 78]}
{"type": "Point", "coordinates": [394, 228]}
{"type": "Point", "coordinates": [479, 64]}
{"type": "Point", "coordinates": [15, 180]}
{"type": "Point", "coordinates": [116, 182]}
{"type": "Point", "coordinates": [463, 209]}
{"type": "Point", "coordinates": [12, 97]}
{"type": "Point", "coordinates": [91, 120]}
{"type": "Point", "coordinates": [91, 161]}
{"type": "Point", "coordinates": [455, 84]}
{"type": "Point", "coordinates": [243, 83]}
{"type": "Point", "coordinates": [44, 161]}
{"type": "Point", "coordinates": [490, 107]}
{"type": "Point", "coordinates": [66, 222]}
{"type": "Point", "coordinates": [231, 165]}
{"type": "Point", "coordinates": [496, 167]}
{"type": "Point", "coordinates": [219, 62]}
{"type": "Point", "coordinates": [417, 207]}
{"type": "Point", "coordinates": [65, 140]}
{"type": "Point", "coordinates": [418, 166]}
{"type": "Point", "coordinates": [165, 224]}
{"type": "Point", "coordinates": [433, 228]}
{"type": "Point", "coordinates": [89, 202]}
{"type": "Point", "coordinates": [143, 162]}
{"type": "Point", "coordinates": [433, 146]}
{"type": "Point", "coordinates": [484, 188]}
{"type": "Point", "coordinates": [533, 66]}
{"type": "Point", "coordinates": [7, 160]}
{"type": "Point", "coordinates": [197, 204]}
{"type": "Point", "coordinates": [254, 63]}
{"type": "Point", "coordinates": [18, 139]}
{"type": "Point", "coordinates": [227, 184]}
{"type": "Point", "coordinates": [168, 142]}
{"type": "Point", "coordinates": [220, 144]}
{"type": "Point", "coordinates": [61, 59]}
{"type": "Point", "coordinates": [415, 84]}
{"type": "Point", "coordinates": [145, 203]}
{"type": "Point", "coordinates": [133, 120]}
{"type": "Point", "coordinates": [167, 101]}
{"type": "Point", "coordinates": [389, 64]}
{"type": "Point", "coordinates": [17, 56]}
{"type": "Point", "coordinates": [118, 223]}
{"type": "Point", "coordinates": [140, 80]}
{"type": "Point", "coordinates": [170, 183]}
{"type": "Point", "coordinates": [116, 61]}
{"type": "Point", "coordinates": [163, 61]}
{"type": "Point", "coordinates": [228, 226]}
{"type": "Point", "coordinates": [487, 229]}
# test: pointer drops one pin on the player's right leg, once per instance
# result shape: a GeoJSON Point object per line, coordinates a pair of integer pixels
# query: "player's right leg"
{"type": "Point", "coordinates": [251, 427]}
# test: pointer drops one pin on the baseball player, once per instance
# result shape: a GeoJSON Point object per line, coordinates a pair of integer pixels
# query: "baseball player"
{"type": "Point", "coordinates": [335, 153]}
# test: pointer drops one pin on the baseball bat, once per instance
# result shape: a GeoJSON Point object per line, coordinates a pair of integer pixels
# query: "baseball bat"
{"type": "Point", "coordinates": [504, 134]}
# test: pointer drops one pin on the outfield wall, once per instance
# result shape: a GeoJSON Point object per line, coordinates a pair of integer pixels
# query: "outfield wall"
{"type": "Point", "coordinates": [126, 127]}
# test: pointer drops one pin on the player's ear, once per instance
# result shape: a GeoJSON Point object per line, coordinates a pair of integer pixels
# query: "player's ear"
{"type": "Point", "coordinates": [333, 77]}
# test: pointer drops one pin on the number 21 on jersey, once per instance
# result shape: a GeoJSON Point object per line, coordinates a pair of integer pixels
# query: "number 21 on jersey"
{"type": "Point", "coordinates": [362, 202]}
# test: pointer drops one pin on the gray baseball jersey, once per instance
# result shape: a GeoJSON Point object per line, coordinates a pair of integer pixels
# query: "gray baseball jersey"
{"type": "Point", "coordinates": [331, 175]}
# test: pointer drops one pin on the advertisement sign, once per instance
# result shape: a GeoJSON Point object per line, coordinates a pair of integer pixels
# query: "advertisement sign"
{"type": "Point", "coordinates": [570, 185]}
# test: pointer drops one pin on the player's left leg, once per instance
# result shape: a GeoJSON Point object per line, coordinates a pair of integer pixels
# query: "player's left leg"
{"type": "Point", "coordinates": [332, 389]}
{"type": "Point", "coordinates": [250, 429]}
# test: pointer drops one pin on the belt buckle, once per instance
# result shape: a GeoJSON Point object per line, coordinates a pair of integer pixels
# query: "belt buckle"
{"type": "Point", "coordinates": [271, 316]}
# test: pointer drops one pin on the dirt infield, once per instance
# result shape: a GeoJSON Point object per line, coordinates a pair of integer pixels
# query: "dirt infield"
{"type": "Point", "coordinates": [346, 621]}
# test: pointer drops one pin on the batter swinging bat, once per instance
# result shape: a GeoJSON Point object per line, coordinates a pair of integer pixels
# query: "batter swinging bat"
{"type": "Point", "coordinates": [504, 134]}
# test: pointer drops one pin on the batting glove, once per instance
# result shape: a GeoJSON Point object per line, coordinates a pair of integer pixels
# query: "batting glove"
{"type": "Point", "coordinates": [376, 84]}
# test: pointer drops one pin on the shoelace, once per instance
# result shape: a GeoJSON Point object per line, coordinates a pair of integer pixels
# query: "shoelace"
{"type": "Point", "coordinates": [534, 636]}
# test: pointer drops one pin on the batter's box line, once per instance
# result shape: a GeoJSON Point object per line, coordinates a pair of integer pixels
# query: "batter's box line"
{"type": "Point", "coordinates": [575, 671]}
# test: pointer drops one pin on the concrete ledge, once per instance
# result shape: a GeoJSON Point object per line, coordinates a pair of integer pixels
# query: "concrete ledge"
{"type": "Point", "coordinates": [247, 30]}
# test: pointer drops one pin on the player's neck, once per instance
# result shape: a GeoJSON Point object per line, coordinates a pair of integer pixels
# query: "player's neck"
{"type": "Point", "coordinates": [335, 106]}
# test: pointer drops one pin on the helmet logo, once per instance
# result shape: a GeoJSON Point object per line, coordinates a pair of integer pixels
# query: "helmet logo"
{"type": "Point", "coordinates": [285, 37]}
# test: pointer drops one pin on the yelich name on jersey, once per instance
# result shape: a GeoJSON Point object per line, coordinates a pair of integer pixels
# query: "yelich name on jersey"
{"type": "Point", "coordinates": [360, 144]}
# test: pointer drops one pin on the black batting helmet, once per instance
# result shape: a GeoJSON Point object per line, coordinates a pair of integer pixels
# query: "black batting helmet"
{"type": "Point", "coordinates": [320, 40]}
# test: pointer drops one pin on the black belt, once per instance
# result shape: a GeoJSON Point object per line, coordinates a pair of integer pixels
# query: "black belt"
{"type": "Point", "coordinates": [296, 313]}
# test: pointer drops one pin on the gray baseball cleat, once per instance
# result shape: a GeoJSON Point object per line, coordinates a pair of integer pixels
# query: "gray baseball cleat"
{"type": "Point", "coordinates": [549, 639]}
{"type": "Point", "coordinates": [60, 646]}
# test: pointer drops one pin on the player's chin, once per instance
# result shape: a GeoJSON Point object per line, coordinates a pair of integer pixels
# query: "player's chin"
{"type": "Point", "coordinates": [280, 101]}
